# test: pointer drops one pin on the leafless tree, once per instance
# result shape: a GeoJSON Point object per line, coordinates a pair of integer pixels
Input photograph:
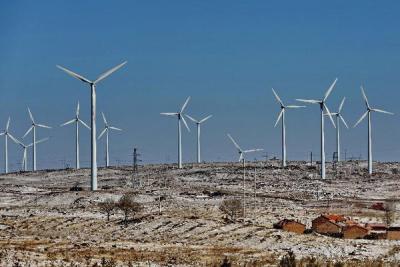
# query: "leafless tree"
{"type": "Point", "coordinates": [390, 212]}
{"type": "Point", "coordinates": [107, 207]}
{"type": "Point", "coordinates": [232, 208]}
{"type": "Point", "coordinates": [128, 206]}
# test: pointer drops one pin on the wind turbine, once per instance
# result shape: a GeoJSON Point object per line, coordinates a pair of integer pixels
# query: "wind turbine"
{"type": "Point", "coordinates": [368, 112]}
{"type": "Point", "coordinates": [180, 117]}
{"type": "Point", "coordinates": [33, 127]}
{"type": "Point", "coordinates": [282, 115]}
{"type": "Point", "coordinates": [92, 84]}
{"type": "Point", "coordinates": [107, 128]}
{"type": "Point", "coordinates": [242, 159]}
{"type": "Point", "coordinates": [198, 123]}
{"type": "Point", "coordinates": [76, 120]}
{"type": "Point", "coordinates": [6, 134]}
{"type": "Point", "coordinates": [339, 118]}
{"type": "Point", "coordinates": [322, 106]}
{"type": "Point", "coordinates": [24, 165]}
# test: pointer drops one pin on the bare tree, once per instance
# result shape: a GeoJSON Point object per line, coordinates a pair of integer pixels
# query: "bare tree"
{"type": "Point", "coordinates": [232, 208]}
{"type": "Point", "coordinates": [128, 206]}
{"type": "Point", "coordinates": [390, 212]}
{"type": "Point", "coordinates": [107, 207]}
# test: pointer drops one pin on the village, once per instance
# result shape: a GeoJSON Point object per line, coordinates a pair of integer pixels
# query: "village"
{"type": "Point", "coordinates": [340, 226]}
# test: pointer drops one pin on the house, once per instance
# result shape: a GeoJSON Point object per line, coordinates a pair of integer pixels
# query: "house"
{"type": "Point", "coordinates": [290, 226]}
{"type": "Point", "coordinates": [393, 233]}
{"type": "Point", "coordinates": [328, 224]}
{"type": "Point", "coordinates": [354, 231]}
{"type": "Point", "coordinates": [376, 230]}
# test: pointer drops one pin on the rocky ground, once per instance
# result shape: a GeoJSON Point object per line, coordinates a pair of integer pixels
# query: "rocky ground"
{"type": "Point", "coordinates": [44, 223]}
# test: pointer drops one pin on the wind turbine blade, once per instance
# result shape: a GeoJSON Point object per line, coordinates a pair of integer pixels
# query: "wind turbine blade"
{"type": "Point", "coordinates": [241, 156]}
{"type": "Point", "coordinates": [107, 73]}
{"type": "Point", "coordinates": [8, 124]}
{"type": "Point", "coordinates": [115, 128]}
{"type": "Point", "coordinates": [277, 97]}
{"type": "Point", "coordinates": [365, 97]}
{"type": "Point", "coordinates": [294, 106]}
{"type": "Point", "coordinates": [41, 140]}
{"type": "Point", "coordinates": [362, 117]}
{"type": "Point", "coordinates": [185, 104]}
{"type": "Point", "coordinates": [102, 133]}
{"type": "Point", "coordinates": [15, 139]}
{"type": "Point", "coordinates": [104, 119]}
{"type": "Point", "coordinates": [169, 113]}
{"type": "Point", "coordinates": [330, 116]}
{"type": "Point", "coordinates": [330, 90]}
{"type": "Point", "coordinates": [311, 101]}
{"type": "Point", "coordinates": [184, 122]}
{"type": "Point", "coordinates": [27, 132]}
{"type": "Point", "coordinates": [75, 75]}
{"type": "Point", "coordinates": [234, 143]}
{"type": "Point", "coordinates": [344, 122]}
{"type": "Point", "coordinates": [382, 111]}
{"type": "Point", "coordinates": [279, 116]}
{"type": "Point", "coordinates": [68, 122]}
{"type": "Point", "coordinates": [43, 126]}
{"type": "Point", "coordinates": [190, 118]}
{"type": "Point", "coordinates": [341, 104]}
{"type": "Point", "coordinates": [206, 118]}
{"type": "Point", "coordinates": [3, 133]}
{"type": "Point", "coordinates": [30, 115]}
{"type": "Point", "coordinates": [84, 124]}
{"type": "Point", "coordinates": [253, 150]}
{"type": "Point", "coordinates": [77, 110]}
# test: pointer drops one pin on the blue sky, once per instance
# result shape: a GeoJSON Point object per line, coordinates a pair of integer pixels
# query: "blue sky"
{"type": "Point", "coordinates": [226, 55]}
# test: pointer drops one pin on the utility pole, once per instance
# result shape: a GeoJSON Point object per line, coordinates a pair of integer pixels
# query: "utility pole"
{"type": "Point", "coordinates": [311, 158]}
{"type": "Point", "coordinates": [345, 155]}
{"type": "Point", "coordinates": [255, 185]}
{"type": "Point", "coordinates": [135, 160]}
{"type": "Point", "coordinates": [244, 189]}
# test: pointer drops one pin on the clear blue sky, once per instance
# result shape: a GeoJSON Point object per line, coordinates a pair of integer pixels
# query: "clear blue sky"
{"type": "Point", "coordinates": [225, 54]}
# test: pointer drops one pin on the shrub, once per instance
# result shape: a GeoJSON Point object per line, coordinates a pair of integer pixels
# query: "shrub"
{"type": "Point", "coordinates": [232, 208]}
{"type": "Point", "coordinates": [107, 207]}
{"type": "Point", "coordinates": [128, 206]}
{"type": "Point", "coordinates": [289, 260]}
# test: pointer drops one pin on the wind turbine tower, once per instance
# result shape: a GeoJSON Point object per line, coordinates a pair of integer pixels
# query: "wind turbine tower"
{"type": "Point", "coordinates": [180, 117]}
{"type": "Point", "coordinates": [282, 116]}
{"type": "Point", "coordinates": [33, 127]}
{"type": "Point", "coordinates": [107, 128]}
{"type": "Point", "coordinates": [322, 106]}
{"type": "Point", "coordinates": [242, 159]}
{"type": "Point", "coordinates": [198, 123]}
{"type": "Point", "coordinates": [76, 120]}
{"type": "Point", "coordinates": [368, 112]}
{"type": "Point", "coordinates": [92, 84]}
{"type": "Point", "coordinates": [339, 118]}
{"type": "Point", "coordinates": [6, 134]}
{"type": "Point", "coordinates": [24, 165]}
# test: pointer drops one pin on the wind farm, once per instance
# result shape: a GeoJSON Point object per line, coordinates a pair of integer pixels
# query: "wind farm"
{"type": "Point", "coordinates": [239, 134]}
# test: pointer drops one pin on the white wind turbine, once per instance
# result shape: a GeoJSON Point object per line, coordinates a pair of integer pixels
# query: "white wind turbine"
{"type": "Point", "coordinates": [107, 128]}
{"type": "Point", "coordinates": [6, 134]}
{"type": "Point", "coordinates": [76, 120]}
{"type": "Point", "coordinates": [180, 117]}
{"type": "Point", "coordinates": [339, 118]}
{"type": "Point", "coordinates": [33, 127]}
{"type": "Point", "coordinates": [322, 106]}
{"type": "Point", "coordinates": [282, 115]}
{"type": "Point", "coordinates": [92, 84]}
{"type": "Point", "coordinates": [242, 159]}
{"type": "Point", "coordinates": [198, 123]}
{"type": "Point", "coordinates": [368, 112]}
{"type": "Point", "coordinates": [24, 165]}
